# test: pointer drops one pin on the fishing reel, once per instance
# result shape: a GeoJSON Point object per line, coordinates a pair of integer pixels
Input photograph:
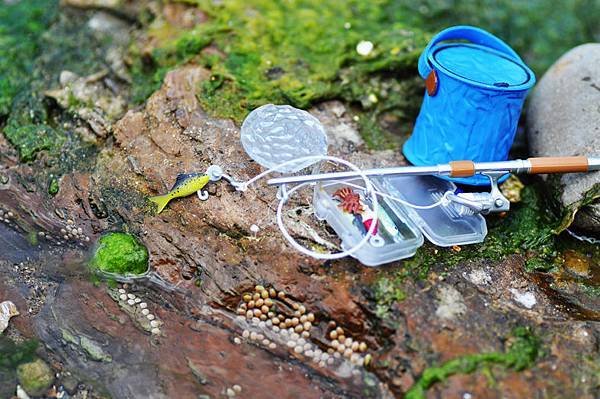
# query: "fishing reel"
{"type": "Point", "coordinates": [484, 203]}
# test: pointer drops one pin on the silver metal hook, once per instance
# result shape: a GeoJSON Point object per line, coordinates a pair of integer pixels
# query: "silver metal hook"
{"type": "Point", "coordinates": [215, 173]}
{"type": "Point", "coordinates": [202, 194]}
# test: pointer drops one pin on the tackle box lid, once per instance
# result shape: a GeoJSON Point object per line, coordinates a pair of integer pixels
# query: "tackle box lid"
{"type": "Point", "coordinates": [444, 225]}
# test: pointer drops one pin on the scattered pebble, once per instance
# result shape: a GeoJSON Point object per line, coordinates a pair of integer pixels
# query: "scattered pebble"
{"type": "Point", "coordinates": [364, 48]}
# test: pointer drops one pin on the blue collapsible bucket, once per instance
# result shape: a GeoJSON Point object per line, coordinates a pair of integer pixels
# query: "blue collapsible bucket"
{"type": "Point", "coordinates": [475, 92]}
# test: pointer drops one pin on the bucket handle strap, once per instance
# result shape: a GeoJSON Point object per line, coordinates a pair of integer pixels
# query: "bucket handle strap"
{"type": "Point", "coordinates": [464, 32]}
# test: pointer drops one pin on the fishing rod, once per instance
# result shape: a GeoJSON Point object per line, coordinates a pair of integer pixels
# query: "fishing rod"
{"type": "Point", "coordinates": [542, 165]}
{"type": "Point", "coordinates": [476, 202]}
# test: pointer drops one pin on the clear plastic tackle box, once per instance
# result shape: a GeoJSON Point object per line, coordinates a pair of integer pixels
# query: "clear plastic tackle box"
{"type": "Point", "coordinates": [400, 228]}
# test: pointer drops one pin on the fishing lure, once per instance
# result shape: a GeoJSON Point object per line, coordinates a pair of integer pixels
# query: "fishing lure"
{"type": "Point", "coordinates": [185, 184]}
{"type": "Point", "coordinates": [353, 204]}
{"type": "Point", "coordinates": [388, 224]}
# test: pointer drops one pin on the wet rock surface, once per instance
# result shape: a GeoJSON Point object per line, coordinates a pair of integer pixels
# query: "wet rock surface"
{"type": "Point", "coordinates": [204, 256]}
{"type": "Point", "coordinates": [179, 331]}
{"type": "Point", "coordinates": [564, 119]}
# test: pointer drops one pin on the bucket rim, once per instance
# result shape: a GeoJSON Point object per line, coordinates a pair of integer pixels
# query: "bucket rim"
{"type": "Point", "coordinates": [528, 84]}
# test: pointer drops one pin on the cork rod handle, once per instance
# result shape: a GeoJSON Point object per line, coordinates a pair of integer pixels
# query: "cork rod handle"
{"type": "Point", "coordinates": [559, 165]}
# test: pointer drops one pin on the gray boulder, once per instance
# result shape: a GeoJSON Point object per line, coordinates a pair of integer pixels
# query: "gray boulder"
{"type": "Point", "coordinates": [564, 119]}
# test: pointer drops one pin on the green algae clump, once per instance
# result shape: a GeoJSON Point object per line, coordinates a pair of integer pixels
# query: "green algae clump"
{"type": "Point", "coordinates": [523, 351]}
{"type": "Point", "coordinates": [120, 253]}
{"type": "Point", "coordinates": [35, 377]}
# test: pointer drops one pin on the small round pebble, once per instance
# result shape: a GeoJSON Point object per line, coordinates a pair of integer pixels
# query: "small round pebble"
{"type": "Point", "coordinates": [252, 335]}
{"type": "Point", "coordinates": [237, 388]}
{"type": "Point", "coordinates": [154, 323]}
{"type": "Point", "coordinates": [122, 291]}
{"type": "Point", "coordinates": [272, 345]}
{"type": "Point", "coordinates": [298, 349]}
{"type": "Point", "coordinates": [130, 296]}
{"type": "Point", "coordinates": [245, 333]}
{"type": "Point", "coordinates": [150, 316]}
{"type": "Point", "coordinates": [237, 341]}
{"type": "Point", "coordinates": [143, 305]}
{"type": "Point", "coordinates": [364, 47]}
{"type": "Point", "coordinates": [145, 312]}
{"type": "Point", "coordinates": [130, 302]}
{"type": "Point", "coordinates": [155, 331]}
{"type": "Point", "coordinates": [123, 297]}
{"type": "Point", "coordinates": [291, 344]}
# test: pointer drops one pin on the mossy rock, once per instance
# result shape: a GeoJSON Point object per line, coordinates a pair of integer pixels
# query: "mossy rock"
{"type": "Point", "coordinates": [121, 254]}
{"type": "Point", "coordinates": [35, 377]}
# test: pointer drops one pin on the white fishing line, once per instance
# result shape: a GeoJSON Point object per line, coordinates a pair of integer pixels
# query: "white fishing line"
{"type": "Point", "coordinates": [368, 188]}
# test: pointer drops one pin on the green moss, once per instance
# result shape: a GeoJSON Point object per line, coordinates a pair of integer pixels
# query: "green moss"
{"type": "Point", "coordinates": [523, 351]}
{"type": "Point", "coordinates": [11, 354]}
{"type": "Point", "coordinates": [300, 52]}
{"type": "Point", "coordinates": [53, 186]}
{"type": "Point", "coordinates": [35, 377]}
{"type": "Point", "coordinates": [297, 52]}
{"type": "Point", "coordinates": [120, 253]}
{"type": "Point", "coordinates": [22, 24]}
{"type": "Point", "coordinates": [387, 291]}
{"type": "Point", "coordinates": [31, 139]}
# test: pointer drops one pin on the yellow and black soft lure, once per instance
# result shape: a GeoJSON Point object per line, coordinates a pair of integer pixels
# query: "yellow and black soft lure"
{"type": "Point", "coordinates": [186, 184]}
